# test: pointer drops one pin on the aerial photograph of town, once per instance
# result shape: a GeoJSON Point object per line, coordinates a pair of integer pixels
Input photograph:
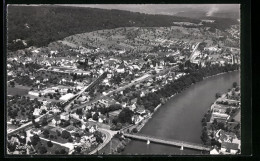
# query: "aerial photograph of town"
{"type": "Point", "coordinates": [123, 79]}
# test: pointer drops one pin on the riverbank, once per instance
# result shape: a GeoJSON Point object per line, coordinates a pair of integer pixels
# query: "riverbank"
{"type": "Point", "coordinates": [220, 116]}
{"type": "Point", "coordinates": [164, 114]}
{"type": "Point", "coordinates": [166, 99]}
{"type": "Point", "coordinates": [220, 74]}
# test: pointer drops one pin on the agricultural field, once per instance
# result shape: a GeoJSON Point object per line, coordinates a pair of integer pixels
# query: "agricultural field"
{"type": "Point", "coordinates": [139, 38]}
{"type": "Point", "coordinates": [17, 90]}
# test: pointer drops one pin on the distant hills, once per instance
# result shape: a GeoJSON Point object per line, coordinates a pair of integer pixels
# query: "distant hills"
{"type": "Point", "coordinates": [204, 14]}
{"type": "Point", "coordinates": [40, 25]}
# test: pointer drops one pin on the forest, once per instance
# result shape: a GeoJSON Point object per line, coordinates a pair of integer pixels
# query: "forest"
{"type": "Point", "coordinates": [40, 25]}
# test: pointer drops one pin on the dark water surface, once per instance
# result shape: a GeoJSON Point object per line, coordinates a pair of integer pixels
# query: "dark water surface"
{"type": "Point", "coordinates": [180, 118]}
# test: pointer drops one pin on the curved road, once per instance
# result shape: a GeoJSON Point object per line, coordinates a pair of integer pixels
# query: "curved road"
{"type": "Point", "coordinates": [109, 134]}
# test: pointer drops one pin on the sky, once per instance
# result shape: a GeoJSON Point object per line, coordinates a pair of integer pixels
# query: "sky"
{"type": "Point", "coordinates": [167, 9]}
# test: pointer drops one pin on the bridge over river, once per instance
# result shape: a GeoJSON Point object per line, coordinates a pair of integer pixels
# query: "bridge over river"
{"type": "Point", "coordinates": [169, 142]}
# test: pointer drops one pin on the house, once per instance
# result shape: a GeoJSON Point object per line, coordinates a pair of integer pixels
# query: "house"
{"type": "Point", "coordinates": [124, 104]}
{"type": "Point", "coordinates": [45, 79]}
{"type": "Point", "coordinates": [109, 76]}
{"type": "Point", "coordinates": [146, 114]}
{"type": "Point", "coordinates": [37, 81]}
{"type": "Point", "coordinates": [133, 101]}
{"type": "Point", "coordinates": [101, 71]}
{"type": "Point", "coordinates": [140, 110]}
{"type": "Point", "coordinates": [114, 113]}
{"type": "Point", "coordinates": [237, 141]}
{"type": "Point", "coordinates": [101, 118]}
{"type": "Point", "coordinates": [66, 97]}
{"type": "Point", "coordinates": [222, 136]}
{"type": "Point", "coordinates": [137, 118]}
{"type": "Point", "coordinates": [214, 151]}
{"type": "Point", "coordinates": [133, 107]}
{"type": "Point", "coordinates": [91, 139]}
{"type": "Point", "coordinates": [87, 107]}
{"type": "Point", "coordinates": [142, 94]}
{"type": "Point", "coordinates": [37, 112]}
{"type": "Point", "coordinates": [14, 140]}
{"type": "Point", "coordinates": [231, 148]}
{"type": "Point", "coordinates": [121, 69]}
{"type": "Point", "coordinates": [43, 108]}
{"type": "Point", "coordinates": [83, 98]}
{"type": "Point", "coordinates": [36, 51]}
{"type": "Point", "coordinates": [36, 131]}
{"type": "Point", "coordinates": [56, 110]}
{"type": "Point", "coordinates": [220, 116]}
{"type": "Point", "coordinates": [92, 128]}
{"type": "Point", "coordinates": [33, 93]}
{"type": "Point", "coordinates": [83, 126]}
{"type": "Point", "coordinates": [88, 138]}
{"type": "Point", "coordinates": [9, 66]}
{"type": "Point", "coordinates": [64, 116]}
{"type": "Point", "coordinates": [136, 67]}
{"type": "Point", "coordinates": [56, 121]}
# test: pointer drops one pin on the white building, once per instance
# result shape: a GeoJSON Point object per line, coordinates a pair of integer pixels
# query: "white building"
{"type": "Point", "coordinates": [64, 116]}
{"type": "Point", "coordinates": [137, 118]}
{"type": "Point", "coordinates": [214, 152]}
{"type": "Point", "coordinates": [66, 97]}
{"type": "Point", "coordinates": [92, 128]}
{"type": "Point", "coordinates": [120, 70]}
{"type": "Point", "coordinates": [33, 93]}
{"type": "Point", "coordinates": [37, 112]}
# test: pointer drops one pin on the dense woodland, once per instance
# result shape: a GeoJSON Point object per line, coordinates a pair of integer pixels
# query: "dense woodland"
{"type": "Point", "coordinates": [40, 25]}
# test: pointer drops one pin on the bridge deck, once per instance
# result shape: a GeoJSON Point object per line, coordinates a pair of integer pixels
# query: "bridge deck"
{"type": "Point", "coordinates": [169, 142]}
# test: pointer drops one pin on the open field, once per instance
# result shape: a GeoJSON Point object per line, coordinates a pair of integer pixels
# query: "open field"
{"type": "Point", "coordinates": [11, 126]}
{"type": "Point", "coordinates": [17, 91]}
{"type": "Point", "coordinates": [42, 98]}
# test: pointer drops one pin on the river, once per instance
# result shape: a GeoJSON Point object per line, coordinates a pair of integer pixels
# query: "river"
{"type": "Point", "coordinates": [180, 118]}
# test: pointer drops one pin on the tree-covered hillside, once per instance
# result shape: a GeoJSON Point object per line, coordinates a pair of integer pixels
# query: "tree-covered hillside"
{"type": "Point", "coordinates": [40, 25]}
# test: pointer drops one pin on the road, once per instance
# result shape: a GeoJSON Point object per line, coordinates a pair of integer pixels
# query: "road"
{"type": "Point", "coordinates": [28, 124]}
{"type": "Point", "coordinates": [134, 82]}
{"type": "Point", "coordinates": [109, 134]}
{"type": "Point", "coordinates": [67, 107]}
{"type": "Point", "coordinates": [113, 91]}
{"type": "Point", "coordinates": [70, 146]}
{"type": "Point", "coordinates": [193, 52]}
